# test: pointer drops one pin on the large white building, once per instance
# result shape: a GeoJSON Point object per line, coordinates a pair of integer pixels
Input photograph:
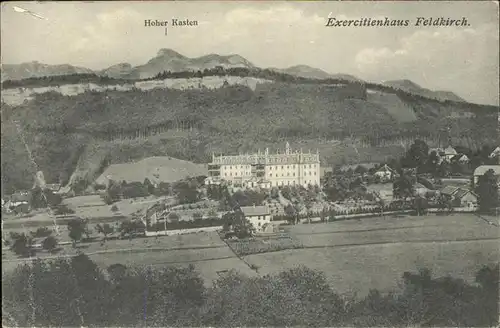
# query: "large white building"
{"type": "Point", "coordinates": [291, 168]}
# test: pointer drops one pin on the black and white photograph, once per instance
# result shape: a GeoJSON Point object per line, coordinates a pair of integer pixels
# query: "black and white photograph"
{"type": "Point", "coordinates": [250, 164]}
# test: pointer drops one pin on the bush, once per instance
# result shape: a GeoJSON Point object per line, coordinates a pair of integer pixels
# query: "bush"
{"type": "Point", "coordinates": [114, 208]}
{"type": "Point", "coordinates": [41, 232]}
{"type": "Point", "coordinates": [49, 243]}
{"type": "Point", "coordinates": [63, 210]}
{"type": "Point", "coordinates": [21, 244]}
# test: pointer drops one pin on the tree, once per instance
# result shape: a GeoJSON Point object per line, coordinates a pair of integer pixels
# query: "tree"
{"type": "Point", "coordinates": [49, 244]}
{"type": "Point", "coordinates": [37, 198]}
{"type": "Point", "coordinates": [130, 228]}
{"type": "Point", "coordinates": [76, 227]}
{"type": "Point", "coordinates": [117, 272]}
{"type": "Point", "coordinates": [420, 205]}
{"type": "Point", "coordinates": [134, 190]}
{"type": "Point", "coordinates": [241, 227]}
{"type": "Point", "coordinates": [360, 169]}
{"type": "Point", "coordinates": [41, 232]}
{"type": "Point", "coordinates": [291, 213]}
{"type": "Point", "coordinates": [324, 214]}
{"type": "Point", "coordinates": [105, 229]}
{"type": "Point", "coordinates": [21, 244]}
{"type": "Point", "coordinates": [417, 156]}
{"type": "Point", "coordinates": [487, 191]}
{"type": "Point", "coordinates": [149, 186]}
{"type": "Point", "coordinates": [403, 187]}
{"type": "Point", "coordinates": [445, 202]}
{"type": "Point", "coordinates": [433, 163]}
{"type": "Point", "coordinates": [186, 192]}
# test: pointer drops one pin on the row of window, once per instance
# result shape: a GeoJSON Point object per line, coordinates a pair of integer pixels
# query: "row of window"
{"type": "Point", "coordinates": [276, 167]}
{"type": "Point", "coordinates": [270, 174]}
{"type": "Point", "coordinates": [293, 174]}
{"type": "Point", "coordinates": [290, 183]}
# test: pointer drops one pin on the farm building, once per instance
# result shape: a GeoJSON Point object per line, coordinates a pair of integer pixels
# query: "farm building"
{"type": "Point", "coordinates": [465, 197]}
{"type": "Point", "coordinates": [259, 217]}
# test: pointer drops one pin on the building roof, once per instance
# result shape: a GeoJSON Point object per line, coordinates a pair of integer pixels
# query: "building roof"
{"type": "Point", "coordinates": [21, 196]}
{"type": "Point", "coordinates": [449, 190]}
{"type": "Point", "coordinates": [495, 152]}
{"type": "Point", "coordinates": [462, 192]}
{"type": "Point", "coordinates": [255, 210]}
{"type": "Point", "coordinates": [481, 170]}
{"type": "Point", "coordinates": [53, 186]}
{"type": "Point", "coordinates": [386, 168]}
{"type": "Point", "coordinates": [459, 157]}
{"type": "Point", "coordinates": [450, 151]}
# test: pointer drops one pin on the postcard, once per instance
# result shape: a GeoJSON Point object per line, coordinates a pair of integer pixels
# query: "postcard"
{"type": "Point", "coordinates": [250, 164]}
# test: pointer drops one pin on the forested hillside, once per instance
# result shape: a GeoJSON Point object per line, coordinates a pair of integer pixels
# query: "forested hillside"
{"type": "Point", "coordinates": [92, 128]}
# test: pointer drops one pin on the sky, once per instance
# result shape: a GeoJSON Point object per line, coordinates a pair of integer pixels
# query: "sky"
{"type": "Point", "coordinates": [270, 34]}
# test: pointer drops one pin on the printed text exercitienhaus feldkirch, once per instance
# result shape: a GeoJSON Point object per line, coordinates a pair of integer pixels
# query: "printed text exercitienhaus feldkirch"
{"type": "Point", "coordinates": [387, 22]}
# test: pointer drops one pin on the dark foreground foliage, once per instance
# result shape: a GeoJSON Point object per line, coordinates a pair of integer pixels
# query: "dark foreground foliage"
{"type": "Point", "coordinates": [74, 292]}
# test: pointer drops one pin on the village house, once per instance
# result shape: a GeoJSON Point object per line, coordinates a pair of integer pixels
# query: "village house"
{"type": "Point", "coordinates": [259, 217]}
{"type": "Point", "coordinates": [18, 202]}
{"type": "Point", "coordinates": [462, 197]}
{"type": "Point", "coordinates": [481, 170]}
{"type": "Point", "coordinates": [446, 154]}
{"type": "Point", "coordinates": [460, 159]}
{"type": "Point", "coordinates": [495, 154]}
{"type": "Point", "coordinates": [385, 173]}
{"type": "Point", "coordinates": [466, 198]}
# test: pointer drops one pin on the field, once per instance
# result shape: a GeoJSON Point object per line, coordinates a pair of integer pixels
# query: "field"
{"type": "Point", "coordinates": [355, 255]}
{"type": "Point", "coordinates": [91, 207]}
{"type": "Point", "coordinates": [156, 169]}
{"type": "Point", "coordinates": [373, 253]}
{"type": "Point", "coordinates": [206, 251]}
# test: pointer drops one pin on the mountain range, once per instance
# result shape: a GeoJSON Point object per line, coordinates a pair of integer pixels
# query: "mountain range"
{"type": "Point", "coordinates": [170, 60]}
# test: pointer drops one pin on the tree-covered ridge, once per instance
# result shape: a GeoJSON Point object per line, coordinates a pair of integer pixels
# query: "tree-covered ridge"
{"type": "Point", "coordinates": [61, 129]}
{"type": "Point", "coordinates": [255, 72]}
{"type": "Point", "coordinates": [76, 292]}
{"type": "Point", "coordinates": [58, 80]}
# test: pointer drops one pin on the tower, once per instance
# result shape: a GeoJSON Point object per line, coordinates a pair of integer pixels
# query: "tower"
{"type": "Point", "coordinates": [287, 148]}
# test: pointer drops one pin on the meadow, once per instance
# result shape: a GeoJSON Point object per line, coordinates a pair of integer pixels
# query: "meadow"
{"type": "Point", "coordinates": [354, 254]}
{"type": "Point", "coordinates": [372, 252]}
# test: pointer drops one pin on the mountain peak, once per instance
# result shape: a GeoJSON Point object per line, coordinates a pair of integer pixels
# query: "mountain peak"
{"type": "Point", "coordinates": [166, 52]}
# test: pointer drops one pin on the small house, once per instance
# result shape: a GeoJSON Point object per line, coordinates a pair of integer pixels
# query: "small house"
{"type": "Point", "coordinates": [460, 159]}
{"type": "Point", "coordinates": [385, 173]}
{"type": "Point", "coordinates": [259, 216]}
{"type": "Point", "coordinates": [449, 153]}
{"type": "Point", "coordinates": [465, 198]}
{"type": "Point", "coordinates": [495, 153]}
